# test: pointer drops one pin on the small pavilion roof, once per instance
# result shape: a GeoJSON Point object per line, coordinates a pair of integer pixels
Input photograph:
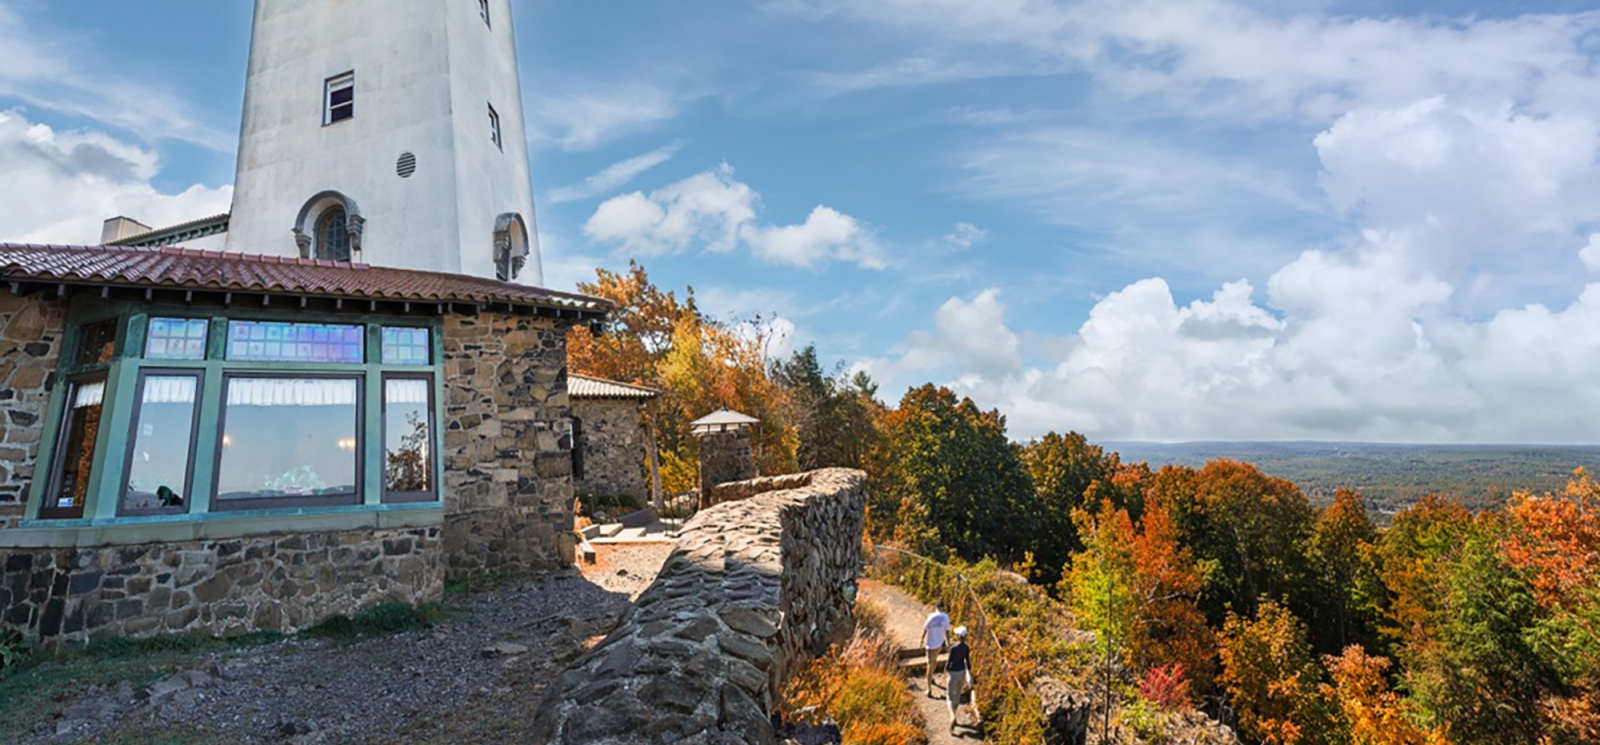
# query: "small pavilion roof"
{"type": "Point", "coordinates": [722, 420]}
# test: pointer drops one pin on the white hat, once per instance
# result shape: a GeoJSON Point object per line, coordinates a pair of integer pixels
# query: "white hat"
{"type": "Point", "coordinates": [960, 631]}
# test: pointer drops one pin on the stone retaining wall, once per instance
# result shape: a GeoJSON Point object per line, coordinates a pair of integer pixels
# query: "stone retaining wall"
{"type": "Point", "coordinates": [30, 344]}
{"type": "Point", "coordinates": [754, 588]}
{"type": "Point", "coordinates": [507, 450]}
{"type": "Point", "coordinates": [224, 588]}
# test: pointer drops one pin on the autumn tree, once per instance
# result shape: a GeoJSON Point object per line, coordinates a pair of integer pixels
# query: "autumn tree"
{"type": "Point", "coordinates": [1369, 711]}
{"type": "Point", "coordinates": [1250, 528]}
{"type": "Point", "coordinates": [1271, 680]}
{"type": "Point", "coordinates": [1349, 595]}
{"type": "Point", "coordinates": [659, 339]}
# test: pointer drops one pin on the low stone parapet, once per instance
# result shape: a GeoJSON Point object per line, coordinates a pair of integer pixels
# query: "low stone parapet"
{"type": "Point", "coordinates": [754, 588]}
{"type": "Point", "coordinates": [220, 587]}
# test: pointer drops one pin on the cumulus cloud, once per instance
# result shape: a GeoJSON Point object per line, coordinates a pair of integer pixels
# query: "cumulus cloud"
{"type": "Point", "coordinates": [60, 186]}
{"type": "Point", "coordinates": [614, 175]}
{"type": "Point", "coordinates": [716, 211]}
{"type": "Point", "coordinates": [1365, 338]}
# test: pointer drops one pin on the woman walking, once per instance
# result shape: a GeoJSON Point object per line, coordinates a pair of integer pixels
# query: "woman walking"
{"type": "Point", "coordinates": [958, 686]}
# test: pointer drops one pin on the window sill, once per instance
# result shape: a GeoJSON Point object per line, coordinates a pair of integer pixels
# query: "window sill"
{"type": "Point", "coordinates": [123, 531]}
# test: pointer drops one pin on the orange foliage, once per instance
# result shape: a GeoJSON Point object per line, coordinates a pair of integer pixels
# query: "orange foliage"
{"type": "Point", "coordinates": [1360, 693]}
{"type": "Point", "coordinates": [1167, 581]}
{"type": "Point", "coordinates": [1557, 538]}
{"type": "Point", "coordinates": [1268, 672]}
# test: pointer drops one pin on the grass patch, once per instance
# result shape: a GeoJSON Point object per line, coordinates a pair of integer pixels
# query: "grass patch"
{"type": "Point", "coordinates": [476, 582]}
{"type": "Point", "coordinates": [859, 687]}
{"type": "Point", "coordinates": [389, 618]}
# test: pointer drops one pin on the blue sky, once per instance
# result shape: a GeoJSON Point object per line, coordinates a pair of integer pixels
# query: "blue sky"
{"type": "Point", "coordinates": [1176, 220]}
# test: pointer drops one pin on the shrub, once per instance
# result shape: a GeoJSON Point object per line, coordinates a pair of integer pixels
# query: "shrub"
{"type": "Point", "coordinates": [1166, 686]}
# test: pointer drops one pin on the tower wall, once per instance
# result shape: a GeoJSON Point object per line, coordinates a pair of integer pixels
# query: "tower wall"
{"type": "Point", "coordinates": [426, 72]}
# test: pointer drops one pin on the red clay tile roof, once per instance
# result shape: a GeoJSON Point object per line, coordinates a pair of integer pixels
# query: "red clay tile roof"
{"type": "Point", "coordinates": [188, 268]}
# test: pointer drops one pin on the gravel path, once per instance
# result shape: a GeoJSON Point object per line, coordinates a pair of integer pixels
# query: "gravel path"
{"type": "Point", "coordinates": [475, 678]}
{"type": "Point", "coordinates": [905, 616]}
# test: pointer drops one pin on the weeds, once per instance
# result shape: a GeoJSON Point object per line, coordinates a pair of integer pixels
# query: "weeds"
{"type": "Point", "coordinates": [476, 582]}
{"type": "Point", "coordinates": [389, 618]}
{"type": "Point", "coordinates": [859, 688]}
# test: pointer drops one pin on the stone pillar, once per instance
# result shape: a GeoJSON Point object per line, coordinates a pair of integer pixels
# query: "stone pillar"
{"type": "Point", "coordinates": [724, 457]}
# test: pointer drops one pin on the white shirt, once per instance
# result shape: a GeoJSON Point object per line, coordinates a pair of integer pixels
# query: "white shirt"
{"type": "Point", "coordinates": [936, 626]}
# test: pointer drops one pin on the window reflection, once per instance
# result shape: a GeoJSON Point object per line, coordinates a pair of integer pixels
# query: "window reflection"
{"type": "Point", "coordinates": [288, 438]}
{"type": "Point", "coordinates": [158, 469]}
{"type": "Point", "coordinates": [76, 458]}
{"type": "Point", "coordinates": [408, 451]}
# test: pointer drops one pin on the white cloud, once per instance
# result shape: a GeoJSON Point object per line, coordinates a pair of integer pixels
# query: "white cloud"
{"type": "Point", "coordinates": [965, 236]}
{"type": "Point", "coordinates": [582, 120]}
{"type": "Point", "coordinates": [56, 73]}
{"type": "Point", "coordinates": [1590, 255]}
{"type": "Point", "coordinates": [1367, 338]}
{"type": "Point", "coordinates": [614, 175]}
{"type": "Point", "coordinates": [716, 211]}
{"type": "Point", "coordinates": [826, 235]}
{"type": "Point", "coordinates": [60, 186]}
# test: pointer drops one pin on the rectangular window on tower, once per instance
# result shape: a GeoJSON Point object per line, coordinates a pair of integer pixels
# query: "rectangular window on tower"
{"type": "Point", "coordinates": [494, 128]}
{"type": "Point", "coordinates": [483, 10]}
{"type": "Point", "coordinates": [339, 98]}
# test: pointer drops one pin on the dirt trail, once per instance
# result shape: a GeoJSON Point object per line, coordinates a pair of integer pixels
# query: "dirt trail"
{"type": "Point", "coordinates": [905, 616]}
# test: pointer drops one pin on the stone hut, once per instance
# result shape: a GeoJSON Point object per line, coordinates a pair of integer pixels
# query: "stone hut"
{"type": "Point", "coordinates": [195, 441]}
{"type": "Point", "coordinates": [614, 447]}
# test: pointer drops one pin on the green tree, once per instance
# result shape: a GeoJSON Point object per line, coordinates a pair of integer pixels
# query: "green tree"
{"type": "Point", "coordinates": [834, 416]}
{"type": "Point", "coordinates": [1063, 469]}
{"type": "Point", "coordinates": [948, 475]}
{"type": "Point", "coordinates": [1348, 603]}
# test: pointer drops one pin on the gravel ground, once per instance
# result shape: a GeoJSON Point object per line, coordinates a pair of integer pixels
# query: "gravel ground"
{"type": "Point", "coordinates": [475, 678]}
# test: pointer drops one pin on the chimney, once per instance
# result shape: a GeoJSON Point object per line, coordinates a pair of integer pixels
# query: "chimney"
{"type": "Point", "coordinates": [120, 227]}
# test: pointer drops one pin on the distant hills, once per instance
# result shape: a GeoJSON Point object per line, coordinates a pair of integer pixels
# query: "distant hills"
{"type": "Point", "coordinates": [1390, 476]}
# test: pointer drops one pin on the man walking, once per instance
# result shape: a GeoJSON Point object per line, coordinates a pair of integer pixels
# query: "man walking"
{"type": "Point", "coordinates": [933, 633]}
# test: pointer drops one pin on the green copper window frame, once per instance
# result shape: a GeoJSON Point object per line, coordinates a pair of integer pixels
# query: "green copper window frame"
{"type": "Point", "coordinates": [128, 365]}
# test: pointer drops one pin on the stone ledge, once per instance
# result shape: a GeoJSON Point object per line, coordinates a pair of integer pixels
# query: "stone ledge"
{"type": "Point", "coordinates": [215, 526]}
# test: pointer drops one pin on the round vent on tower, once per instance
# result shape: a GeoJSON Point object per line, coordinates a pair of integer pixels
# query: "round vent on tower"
{"type": "Point", "coordinates": [406, 165]}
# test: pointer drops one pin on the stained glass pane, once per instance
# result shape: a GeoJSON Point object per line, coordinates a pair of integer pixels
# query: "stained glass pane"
{"type": "Point", "coordinates": [176, 339]}
{"type": "Point", "coordinates": [277, 341]}
{"type": "Point", "coordinates": [405, 346]}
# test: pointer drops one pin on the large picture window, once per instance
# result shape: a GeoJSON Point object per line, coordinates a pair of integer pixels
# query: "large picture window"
{"type": "Point", "coordinates": [289, 441]}
{"type": "Point", "coordinates": [408, 467]}
{"type": "Point", "coordinates": [74, 459]}
{"type": "Point", "coordinates": [161, 454]}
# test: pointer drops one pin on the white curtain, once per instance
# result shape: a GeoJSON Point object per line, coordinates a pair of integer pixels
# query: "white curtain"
{"type": "Point", "coordinates": [175, 389]}
{"type": "Point", "coordinates": [291, 392]}
{"type": "Point", "coordinates": [405, 391]}
{"type": "Point", "coordinates": [89, 394]}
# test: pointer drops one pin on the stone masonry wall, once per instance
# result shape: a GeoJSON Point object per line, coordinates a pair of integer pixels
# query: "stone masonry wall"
{"type": "Point", "coordinates": [223, 588]}
{"type": "Point", "coordinates": [507, 459]}
{"type": "Point", "coordinates": [613, 443]}
{"type": "Point", "coordinates": [724, 457]}
{"type": "Point", "coordinates": [30, 344]}
{"type": "Point", "coordinates": [753, 589]}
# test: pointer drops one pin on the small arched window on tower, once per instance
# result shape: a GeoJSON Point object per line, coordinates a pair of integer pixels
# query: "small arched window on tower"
{"type": "Point", "coordinates": [510, 246]}
{"type": "Point", "coordinates": [329, 227]}
{"type": "Point", "coordinates": [333, 234]}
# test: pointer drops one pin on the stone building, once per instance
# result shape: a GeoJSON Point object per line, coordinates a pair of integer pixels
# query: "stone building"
{"type": "Point", "coordinates": [725, 442]}
{"type": "Point", "coordinates": [214, 442]}
{"type": "Point", "coordinates": [614, 449]}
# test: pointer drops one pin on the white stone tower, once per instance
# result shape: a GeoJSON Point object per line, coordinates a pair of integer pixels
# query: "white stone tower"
{"type": "Point", "coordinates": [388, 132]}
